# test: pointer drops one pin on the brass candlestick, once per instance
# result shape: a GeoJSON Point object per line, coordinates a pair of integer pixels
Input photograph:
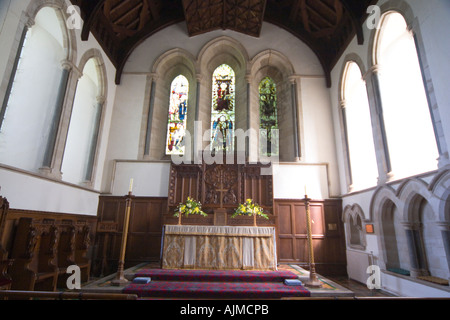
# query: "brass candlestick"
{"type": "Point", "coordinates": [313, 281]}
{"type": "Point", "coordinates": [120, 276]}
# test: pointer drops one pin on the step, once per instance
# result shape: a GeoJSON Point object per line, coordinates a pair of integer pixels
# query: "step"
{"type": "Point", "coordinates": [216, 275]}
{"type": "Point", "coordinates": [216, 290]}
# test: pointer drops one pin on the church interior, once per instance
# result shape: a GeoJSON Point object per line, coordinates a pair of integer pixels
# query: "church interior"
{"type": "Point", "coordinates": [150, 138]}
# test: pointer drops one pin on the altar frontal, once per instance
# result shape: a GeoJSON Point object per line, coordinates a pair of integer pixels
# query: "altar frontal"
{"type": "Point", "coordinates": [219, 247]}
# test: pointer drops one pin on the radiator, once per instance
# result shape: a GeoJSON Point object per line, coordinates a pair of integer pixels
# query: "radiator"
{"type": "Point", "coordinates": [357, 264]}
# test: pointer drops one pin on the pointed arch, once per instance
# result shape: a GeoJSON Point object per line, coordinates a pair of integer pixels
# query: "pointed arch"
{"type": "Point", "coordinates": [168, 66]}
{"type": "Point", "coordinates": [273, 64]}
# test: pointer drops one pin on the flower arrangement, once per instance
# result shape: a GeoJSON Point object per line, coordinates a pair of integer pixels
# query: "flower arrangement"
{"type": "Point", "coordinates": [190, 207]}
{"type": "Point", "coordinates": [250, 209]}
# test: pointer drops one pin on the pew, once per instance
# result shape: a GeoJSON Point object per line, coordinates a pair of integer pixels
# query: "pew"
{"type": "Point", "coordinates": [40, 246]}
{"type": "Point", "coordinates": [66, 250]}
{"type": "Point", "coordinates": [35, 255]}
{"type": "Point", "coordinates": [5, 263]}
{"type": "Point", "coordinates": [5, 278]}
{"type": "Point", "coordinates": [82, 242]}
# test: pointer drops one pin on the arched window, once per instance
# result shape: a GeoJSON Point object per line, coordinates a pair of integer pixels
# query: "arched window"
{"type": "Point", "coordinates": [178, 107]}
{"type": "Point", "coordinates": [361, 150]}
{"type": "Point", "coordinates": [81, 144]}
{"type": "Point", "coordinates": [29, 114]}
{"type": "Point", "coordinates": [268, 115]}
{"type": "Point", "coordinates": [223, 109]}
{"type": "Point", "coordinates": [409, 130]}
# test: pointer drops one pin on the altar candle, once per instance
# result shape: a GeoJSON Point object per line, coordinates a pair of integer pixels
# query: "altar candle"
{"type": "Point", "coordinates": [305, 190]}
{"type": "Point", "coordinates": [131, 185]}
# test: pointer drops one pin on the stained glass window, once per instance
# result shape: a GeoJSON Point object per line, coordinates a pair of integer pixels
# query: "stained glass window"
{"type": "Point", "coordinates": [268, 117]}
{"type": "Point", "coordinates": [223, 109]}
{"type": "Point", "coordinates": [178, 107]}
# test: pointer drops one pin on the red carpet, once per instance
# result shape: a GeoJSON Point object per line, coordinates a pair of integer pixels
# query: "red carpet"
{"type": "Point", "coordinates": [214, 284]}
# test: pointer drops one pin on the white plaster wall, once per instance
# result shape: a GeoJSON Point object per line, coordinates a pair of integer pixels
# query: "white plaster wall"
{"type": "Point", "coordinates": [27, 192]}
{"type": "Point", "coordinates": [150, 179]}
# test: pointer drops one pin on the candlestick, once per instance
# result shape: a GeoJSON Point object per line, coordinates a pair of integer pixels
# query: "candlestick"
{"type": "Point", "coordinates": [131, 185]}
{"type": "Point", "coordinates": [313, 281]}
{"type": "Point", "coordinates": [120, 279]}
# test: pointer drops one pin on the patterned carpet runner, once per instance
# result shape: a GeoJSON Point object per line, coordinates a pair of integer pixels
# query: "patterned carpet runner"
{"type": "Point", "coordinates": [214, 284]}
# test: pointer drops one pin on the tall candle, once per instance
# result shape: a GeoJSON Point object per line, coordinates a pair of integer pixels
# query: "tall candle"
{"type": "Point", "coordinates": [305, 190]}
{"type": "Point", "coordinates": [131, 185]}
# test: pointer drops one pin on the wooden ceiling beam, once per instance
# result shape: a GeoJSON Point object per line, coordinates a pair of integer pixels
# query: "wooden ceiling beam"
{"type": "Point", "coordinates": [352, 7]}
{"type": "Point", "coordinates": [91, 8]}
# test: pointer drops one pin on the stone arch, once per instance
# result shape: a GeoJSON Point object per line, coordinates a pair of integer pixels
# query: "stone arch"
{"type": "Point", "coordinates": [222, 50]}
{"type": "Point", "coordinates": [353, 218]}
{"type": "Point", "coordinates": [61, 8]}
{"type": "Point", "coordinates": [440, 186]}
{"type": "Point", "coordinates": [101, 69]}
{"type": "Point", "coordinates": [273, 64]}
{"type": "Point", "coordinates": [168, 66]}
{"type": "Point", "coordinates": [385, 209]}
{"type": "Point", "coordinates": [214, 51]}
{"type": "Point", "coordinates": [408, 193]}
{"type": "Point", "coordinates": [399, 6]}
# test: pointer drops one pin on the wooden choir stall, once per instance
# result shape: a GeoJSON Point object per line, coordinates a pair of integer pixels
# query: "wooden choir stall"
{"type": "Point", "coordinates": [219, 241]}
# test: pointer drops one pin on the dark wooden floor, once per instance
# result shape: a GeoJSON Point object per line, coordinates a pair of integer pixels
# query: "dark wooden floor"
{"type": "Point", "coordinates": [358, 288]}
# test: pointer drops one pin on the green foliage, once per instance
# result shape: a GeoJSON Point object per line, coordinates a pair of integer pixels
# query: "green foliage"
{"type": "Point", "coordinates": [249, 209]}
{"type": "Point", "coordinates": [190, 207]}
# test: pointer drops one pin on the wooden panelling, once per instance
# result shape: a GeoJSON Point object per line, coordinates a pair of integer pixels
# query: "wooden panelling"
{"type": "Point", "coordinates": [144, 233]}
{"type": "Point", "coordinates": [327, 234]}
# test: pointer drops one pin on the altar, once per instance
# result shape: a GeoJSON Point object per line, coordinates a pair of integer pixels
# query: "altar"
{"type": "Point", "coordinates": [218, 247]}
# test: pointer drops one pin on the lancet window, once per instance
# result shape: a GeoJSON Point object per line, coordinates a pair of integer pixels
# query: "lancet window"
{"type": "Point", "coordinates": [223, 109]}
{"type": "Point", "coordinates": [269, 140]}
{"type": "Point", "coordinates": [178, 107]}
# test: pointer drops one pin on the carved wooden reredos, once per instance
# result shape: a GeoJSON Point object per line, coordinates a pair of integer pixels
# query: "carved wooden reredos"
{"type": "Point", "coordinates": [221, 186]}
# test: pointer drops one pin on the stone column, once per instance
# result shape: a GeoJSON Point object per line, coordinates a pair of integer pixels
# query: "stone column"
{"type": "Point", "coordinates": [53, 158]}
{"type": "Point", "coordinates": [445, 231]}
{"type": "Point", "coordinates": [416, 249]}
{"type": "Point", "coordinates": [28, 24]}
{"type": "Point", "coordinates": [378, 127]}
{"type": "Point", "coordinates": [94, 141]}
{"type": "Point", "coordinates": [153, 78]}
{"type": "Point", "coordinates": [346, 146]}
{"type": "Point", "coordinates": [248, 79]}
{"type": "Point", "coordinates": [294, 97]}
{"type": "Point", "coordinates": [197, 135]}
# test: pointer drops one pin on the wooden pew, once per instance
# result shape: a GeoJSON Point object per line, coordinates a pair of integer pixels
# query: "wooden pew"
{"type": "Point", "coordinates": [82, 242]}
{"type": "Point", "coordinates": [5, 263]}
{"type": "Point", "coordinates": [35, 253]}
{"type": "Point", "coordinates": [66, 250]}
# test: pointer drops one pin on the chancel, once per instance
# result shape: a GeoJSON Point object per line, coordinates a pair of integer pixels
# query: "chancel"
{"type": "Point", "coordinates": [249, 149]}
